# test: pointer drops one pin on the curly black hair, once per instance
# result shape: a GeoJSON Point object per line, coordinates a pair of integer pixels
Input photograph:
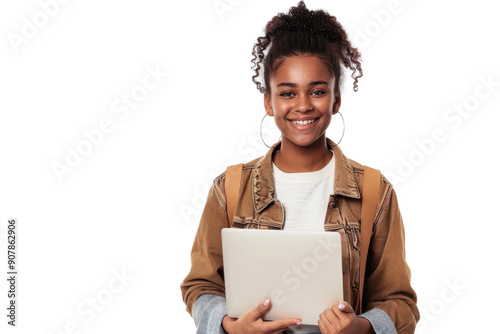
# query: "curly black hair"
{"type": "Point", "coordinates": [305, 32]}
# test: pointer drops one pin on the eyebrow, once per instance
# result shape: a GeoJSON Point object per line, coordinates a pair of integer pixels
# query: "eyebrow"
{"type": "Point", "coordinates": [313, 83]}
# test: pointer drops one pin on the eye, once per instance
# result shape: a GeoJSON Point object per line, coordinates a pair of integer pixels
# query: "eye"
{"type": "Point", "coordinates": [287, 94]}
{"type": "Point", "coordinates": [318, 92]}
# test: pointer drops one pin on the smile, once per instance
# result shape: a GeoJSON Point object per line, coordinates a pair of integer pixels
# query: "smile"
{"type": "Point", "coordinates": [309, 121]}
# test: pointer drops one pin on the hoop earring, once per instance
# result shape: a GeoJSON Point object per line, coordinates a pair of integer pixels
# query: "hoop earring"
{"type": "Point", "coordinates": [343, 128]}
{"type": "Point", "coordinates": [262, 138]}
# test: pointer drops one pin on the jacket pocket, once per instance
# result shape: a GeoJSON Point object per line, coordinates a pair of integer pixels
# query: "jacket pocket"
{"type": "Point", "coordinates": [350, 236]}
{"type": "Point", "coordinates": [354, 238]}
{"type": "Point", "coordinates": [346, 270]}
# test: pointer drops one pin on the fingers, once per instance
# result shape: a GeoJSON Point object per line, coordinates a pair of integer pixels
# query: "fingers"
{"type": "Point", "coordinates": [329, 316]}
{"type": "Point", "coordinates": [257, 312]}
{"type": "Point", "coordinates": [322, 326]}
{"type": "Point", "coordinates": [272, 326]}
{"type": "Point", "coordinates": [328, 321]}
{"type": "Point", "coordinates": [336, 317]}
{"type": "Point", "coordinates": [282, 324]}
{"type": "Point", "coordinates": [345, 307]}
{"type": "Point", "coordinates": [343, 311]}
{"type": "Point", "coordinates": [345, 314]}
{"type": "Point", "coordinates": [227, 323]}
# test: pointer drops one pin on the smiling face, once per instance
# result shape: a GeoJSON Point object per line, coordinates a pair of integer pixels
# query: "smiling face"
{"type": "Point", "coordinates": [302, 100]}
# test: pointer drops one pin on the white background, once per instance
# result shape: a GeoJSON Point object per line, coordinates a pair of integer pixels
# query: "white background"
{"type": "Point", "coordinates": [134, 202]}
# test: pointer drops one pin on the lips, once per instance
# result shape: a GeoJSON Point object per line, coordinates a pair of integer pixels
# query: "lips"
{"type": "Point", "coordinates": [303, 124]}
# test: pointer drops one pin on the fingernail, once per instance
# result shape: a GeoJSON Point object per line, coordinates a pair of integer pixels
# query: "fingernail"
{"type": "Point", "coordinates": [299, 323]}
{"type": "Point", "coordinates": [266, 302]}
{"type": "Point", "coordinates": [341, 306]}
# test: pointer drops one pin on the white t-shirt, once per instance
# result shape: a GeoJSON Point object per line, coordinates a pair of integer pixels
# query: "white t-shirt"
{"type": "Point", "coordinates": [305, 197]}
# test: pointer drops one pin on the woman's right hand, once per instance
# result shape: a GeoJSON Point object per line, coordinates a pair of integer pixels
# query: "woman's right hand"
{"type": "Point", "coordinates": [253, 323]}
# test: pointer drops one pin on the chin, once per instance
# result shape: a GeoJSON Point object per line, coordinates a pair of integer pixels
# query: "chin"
{"type": "Point", "coordinates": [303, 142]}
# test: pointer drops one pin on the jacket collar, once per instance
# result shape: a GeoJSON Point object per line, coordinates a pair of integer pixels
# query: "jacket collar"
{"type": "Point", "coordinates": [263, 181]}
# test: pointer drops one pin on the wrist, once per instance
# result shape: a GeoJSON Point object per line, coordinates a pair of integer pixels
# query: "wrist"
{"type": "Point", "coordinates": [365, 326]}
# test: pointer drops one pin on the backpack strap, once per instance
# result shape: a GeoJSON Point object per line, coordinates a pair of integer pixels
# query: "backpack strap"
{"type": "Point", "coordinates": [369, 200]}
{"type": "Point", "coordinates": [232, 188]}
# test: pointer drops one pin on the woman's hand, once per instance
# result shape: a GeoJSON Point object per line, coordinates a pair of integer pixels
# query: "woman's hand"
{"type": "Point", "coordinates": [253, 323]}
{"type": "Point", "coordinates": [340, 318]}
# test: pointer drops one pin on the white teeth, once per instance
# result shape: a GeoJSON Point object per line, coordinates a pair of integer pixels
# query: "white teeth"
{"type": "Point", "coordinates": [304, 122]}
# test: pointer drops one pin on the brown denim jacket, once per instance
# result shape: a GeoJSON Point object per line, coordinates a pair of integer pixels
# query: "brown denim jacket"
{"type": "Point", "coordinates": [387, 279]}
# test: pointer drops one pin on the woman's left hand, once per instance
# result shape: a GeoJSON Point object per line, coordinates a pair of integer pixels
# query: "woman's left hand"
{"type": "Point", "coordinates": [340, 318]}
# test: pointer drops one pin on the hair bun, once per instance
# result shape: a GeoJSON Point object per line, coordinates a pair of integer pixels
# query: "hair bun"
{"type": "Point", "coordinates": [299, 18]}
{"type": "Point", "coordinates": [304, 31]}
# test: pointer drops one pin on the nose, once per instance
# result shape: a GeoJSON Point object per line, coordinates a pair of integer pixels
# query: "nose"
{"type": "Point", "coordinates": [303, 103]}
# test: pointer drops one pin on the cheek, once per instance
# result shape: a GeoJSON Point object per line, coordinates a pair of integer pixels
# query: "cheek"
{"type": "Point", "coordinates": [283, 105]}
{"type": "Point", "coordinates": [325, 104]}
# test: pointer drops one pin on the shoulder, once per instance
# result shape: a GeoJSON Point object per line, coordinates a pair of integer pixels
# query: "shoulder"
{"type": "Point", "coordinates": [247, 168]}
{"type": "Point", "coordinates": [387, 197]}
{"type": "Point", "coordinates": [219, 182]}
{"type": "Point", "coordinates": [359, 170]}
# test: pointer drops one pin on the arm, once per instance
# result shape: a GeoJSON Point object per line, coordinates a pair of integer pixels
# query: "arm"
{"type": "Point", "coordinates": [340, 318]}
{"type": "Point", "coordinates": [380, 321]}
{"type": "Point", "coordinates": [206, 275]}
{"type": "Point", "coordinates": [208, 312]}
{"type": "Point", "coordinates": [207, 278]}
{"type": "Point", "coordinates": [387, 282]}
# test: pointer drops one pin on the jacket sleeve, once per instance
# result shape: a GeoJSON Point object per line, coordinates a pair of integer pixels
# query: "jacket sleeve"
{"type": "Point", "coordinates": [387, 282]}
{"type": "Point", "coordinates": [208, 312]}
{"type": "Point", "coordinates": [206, 275]}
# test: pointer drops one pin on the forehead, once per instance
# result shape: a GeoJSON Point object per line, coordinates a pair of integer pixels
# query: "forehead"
{"type": "Point", "coordinates": [301, 69]}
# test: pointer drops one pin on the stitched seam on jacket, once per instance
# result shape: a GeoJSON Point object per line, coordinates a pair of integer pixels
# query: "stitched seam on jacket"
{"type": "Point", "coordinates": [405, 326]}
{"type": "Point", "coordinates": [383, 207]}
{"type": "Point", "coordinates": [355, 170]}
{"type": "Point", "coordinates": [248, 221]}
{"type": "Point", "coordinates": [222, 200]}
{"type": "Point", "coordinates": [224, 173]}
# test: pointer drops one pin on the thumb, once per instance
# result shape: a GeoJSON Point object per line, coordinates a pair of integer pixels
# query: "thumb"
{"type": "Point", "coordinates": [257, 312]}
{"type": "Point", "coordinates": [345, 307]}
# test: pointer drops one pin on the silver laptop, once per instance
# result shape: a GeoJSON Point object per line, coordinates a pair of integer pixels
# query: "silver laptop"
{"type": "Point", "coordinates": [300, 272]}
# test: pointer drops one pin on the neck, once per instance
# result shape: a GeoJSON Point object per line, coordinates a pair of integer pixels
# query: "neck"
{"type": "Point", "coordinates": [292, 158]}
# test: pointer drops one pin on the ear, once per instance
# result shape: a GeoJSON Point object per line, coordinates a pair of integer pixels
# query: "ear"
{"type": "Point", "coordinates": [267, 105]}
{"type": "Point", "coordinates": [336, 104]}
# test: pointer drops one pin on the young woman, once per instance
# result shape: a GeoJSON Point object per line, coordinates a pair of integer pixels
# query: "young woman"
{"type": "Point", "coordinates": [306, 178]}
